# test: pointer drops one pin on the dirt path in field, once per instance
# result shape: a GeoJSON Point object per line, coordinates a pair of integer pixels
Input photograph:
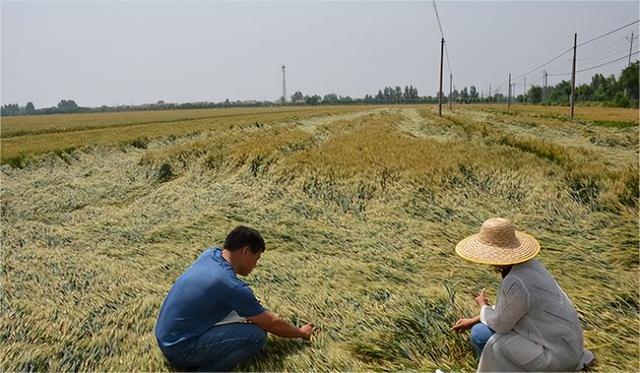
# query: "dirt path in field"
{"type": "Point", "coordinates": [415, 124]}
{"type": "Point", "coordinates": [311, 125]}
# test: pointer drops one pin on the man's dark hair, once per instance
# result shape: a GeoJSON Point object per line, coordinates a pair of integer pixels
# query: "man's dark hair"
{"type": "Point", "coordinates": [242, 236]}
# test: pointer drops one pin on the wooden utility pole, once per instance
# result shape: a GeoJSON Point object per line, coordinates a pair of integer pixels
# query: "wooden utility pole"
{"type": "Point", "coordinates": [630, 47]}
{"type": "Point", "coordinates": [524, 94]}
{"type": "Point", "coordinates": [440, 92]}
{"type": "Point", "coordinates": [573, 75]}
{"type": "Point", "coordinates": [509, 94]}
{"type": "Point", "coordinates": [544, 84]}
{"type": "Point", "coordinates": [450, 92]}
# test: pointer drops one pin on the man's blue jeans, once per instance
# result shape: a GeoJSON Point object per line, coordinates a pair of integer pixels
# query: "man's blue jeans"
{"type": "Point", "coordinates": [480, 334]}
{"type": "Point", "coordinates": [218, 350]}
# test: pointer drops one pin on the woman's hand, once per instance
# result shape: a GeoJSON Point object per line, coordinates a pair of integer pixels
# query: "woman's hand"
{"type": "Point", "coordinates": [481, 299]}
{"type": "Point", "coordinates": [463, 324]}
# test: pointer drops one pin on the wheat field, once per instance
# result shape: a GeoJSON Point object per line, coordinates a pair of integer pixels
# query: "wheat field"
{"type": "Point", "coordinates": [360, 207]}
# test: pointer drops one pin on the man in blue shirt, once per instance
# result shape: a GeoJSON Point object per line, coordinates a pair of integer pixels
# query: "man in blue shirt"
{"type": "Point", "coordinates": [210, 319]}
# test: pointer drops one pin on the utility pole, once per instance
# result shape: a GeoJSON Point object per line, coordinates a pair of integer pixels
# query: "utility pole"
{"type": "Point", "coordinates": [284, 87]}
{"type": "Point", "coordinates": [450, 92]}
{"type": "Point", "coordinates": [509, 94]}
{"type": "Point", "coordinates": [630, 47]}
{"type": "Point", "coordinates": [440, 92]}
{"type": "Point", "coordinates": [489, 92]}
{"type": "Point", "coordinates": [544, 84]}
{"type": "Point", "coordinates": [524, 94]}
{"type": "Point", "coordinates": [573, 75]}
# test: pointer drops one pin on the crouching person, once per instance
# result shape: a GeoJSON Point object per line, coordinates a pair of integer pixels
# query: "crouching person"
{"type": "Point", "coordinates": [210, 320]}
{"type": "Point", "coordinates": [533, 326]}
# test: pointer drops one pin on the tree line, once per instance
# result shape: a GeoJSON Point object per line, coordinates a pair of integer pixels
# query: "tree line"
{"type": "Point", "coordinates": [608, 91]}
{"type": "Point", "coordinates": [64, 106]}
{"type": "Point", "coordinates": [387, 95]}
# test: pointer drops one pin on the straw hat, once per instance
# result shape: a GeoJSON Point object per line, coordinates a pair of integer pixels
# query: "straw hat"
{"type": "Point", "coordinates": [498, 243]}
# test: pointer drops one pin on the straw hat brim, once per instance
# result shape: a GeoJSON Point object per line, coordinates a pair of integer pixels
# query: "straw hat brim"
{"type": "Point", "coordinates": [472, 249]}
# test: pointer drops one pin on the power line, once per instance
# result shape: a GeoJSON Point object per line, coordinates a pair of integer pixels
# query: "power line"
{"type": "Point", "coordinates": [446, 53]}
{"type": "Point", "coordinates": [594, 60]}
{"type": "Point", "coordinates": [446, 50]}
{"type": "Point", "coordinates": [567, 62]}
{"type": "Point", "coordinates": [545, 64]}
{"type": "Point", "coordinates": [609, 33]}
{"type": "Point", "coordinates": [606, 63]}
{"type": "Point", "coordinates": [559, 74]}
{"type": "Point", "coordinates": [438, 17]}
{"type": "Point", "coordinates": [568, 50]}
{"type": "Point", "coordinates": [619, 42]}
{"type": "Point", "coordinates": [602, 64]}
{"type": "Point", "coordinates": [536, 81]}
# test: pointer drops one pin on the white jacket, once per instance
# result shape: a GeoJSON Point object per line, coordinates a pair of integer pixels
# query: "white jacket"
{"type": "Point", "coordinates": [537, 328]}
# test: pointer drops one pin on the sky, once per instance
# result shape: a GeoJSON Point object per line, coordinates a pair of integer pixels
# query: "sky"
{"type": "Point", "coordinates": [125, 52]}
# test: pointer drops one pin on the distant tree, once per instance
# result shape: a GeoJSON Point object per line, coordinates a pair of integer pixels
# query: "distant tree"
{"type": "Point", "coordinates": [68, 106]}
{"type": "Point", "coordinates": [414, 93]}
{"type": "Point", "coordinates": [346, 100]}
{"type": "Point", "coordinates": [464, 95]}
{"type": "Point", "coordinates": [297, 96]}
{"type": "Point", "coordinates": [455, 95]}
{"type": "Point", "coordinates": [473, 93]}
{"type": "Point", "coordinates": [535, 94]}
{"type": "Point", "coordinates": [397, 94]}
{"type": "Point", "coordinates": [621, 100]}
{"type": "Point", "coordinates": [312, 100]}
{"type": "Point", "coordinates": [330, 99]}
{"type": "Point", "coordinates": [10, 109]}
{"type": "Point", "coordinates": [629, 80]}
{"type": "Point", "coordinates": [410, 94]}
{"type": "Point", "coordinates": [559, 94]}
{"type": "Point", "coordinates": [30, 108]}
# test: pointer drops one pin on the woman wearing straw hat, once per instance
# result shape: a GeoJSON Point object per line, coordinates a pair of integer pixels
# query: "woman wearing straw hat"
{"type": "Point", "coordinates": [533, 326]}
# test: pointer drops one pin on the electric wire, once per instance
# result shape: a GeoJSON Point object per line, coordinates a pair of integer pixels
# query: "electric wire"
{"type": "Point", "coordinates": [438, 18]}
{"type": "Point", "coordinates": [625, 51]}
{"type": "Point", "coordinates": [606, 63]}
{"type": "Point", "coordinates": [568, 50]}
{"type": "Point", "coordinates": [600, 65]}
{"type": "Point", "coordinates": [544, 64]}
{"type": "Point", "coordinates": [608, 33]}
{"type": "Point", "coordinates": [581, 44]}
{"type": "Point", "coordinates": [616, 44]}
{"type": "Point", "coordinates": [446, 50]}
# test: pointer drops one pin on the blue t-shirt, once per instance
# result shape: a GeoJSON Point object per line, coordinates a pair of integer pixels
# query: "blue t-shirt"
{"type": "Point", "coordinates": [204, 295]}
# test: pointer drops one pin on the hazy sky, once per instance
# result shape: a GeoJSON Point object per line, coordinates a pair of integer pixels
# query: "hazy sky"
{"type": "Point", "coordinates": [139, 52]}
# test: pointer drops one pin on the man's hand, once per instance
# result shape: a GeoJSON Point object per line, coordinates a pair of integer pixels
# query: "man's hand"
{"type": "Point", "coordinates": [280, 327]}
{"type": "Point", "coordinates": [463, 324]}
{"type": "Point", "coordinates": [307, 330]}
{"type": "Point", "coordinates": [481, 299]}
